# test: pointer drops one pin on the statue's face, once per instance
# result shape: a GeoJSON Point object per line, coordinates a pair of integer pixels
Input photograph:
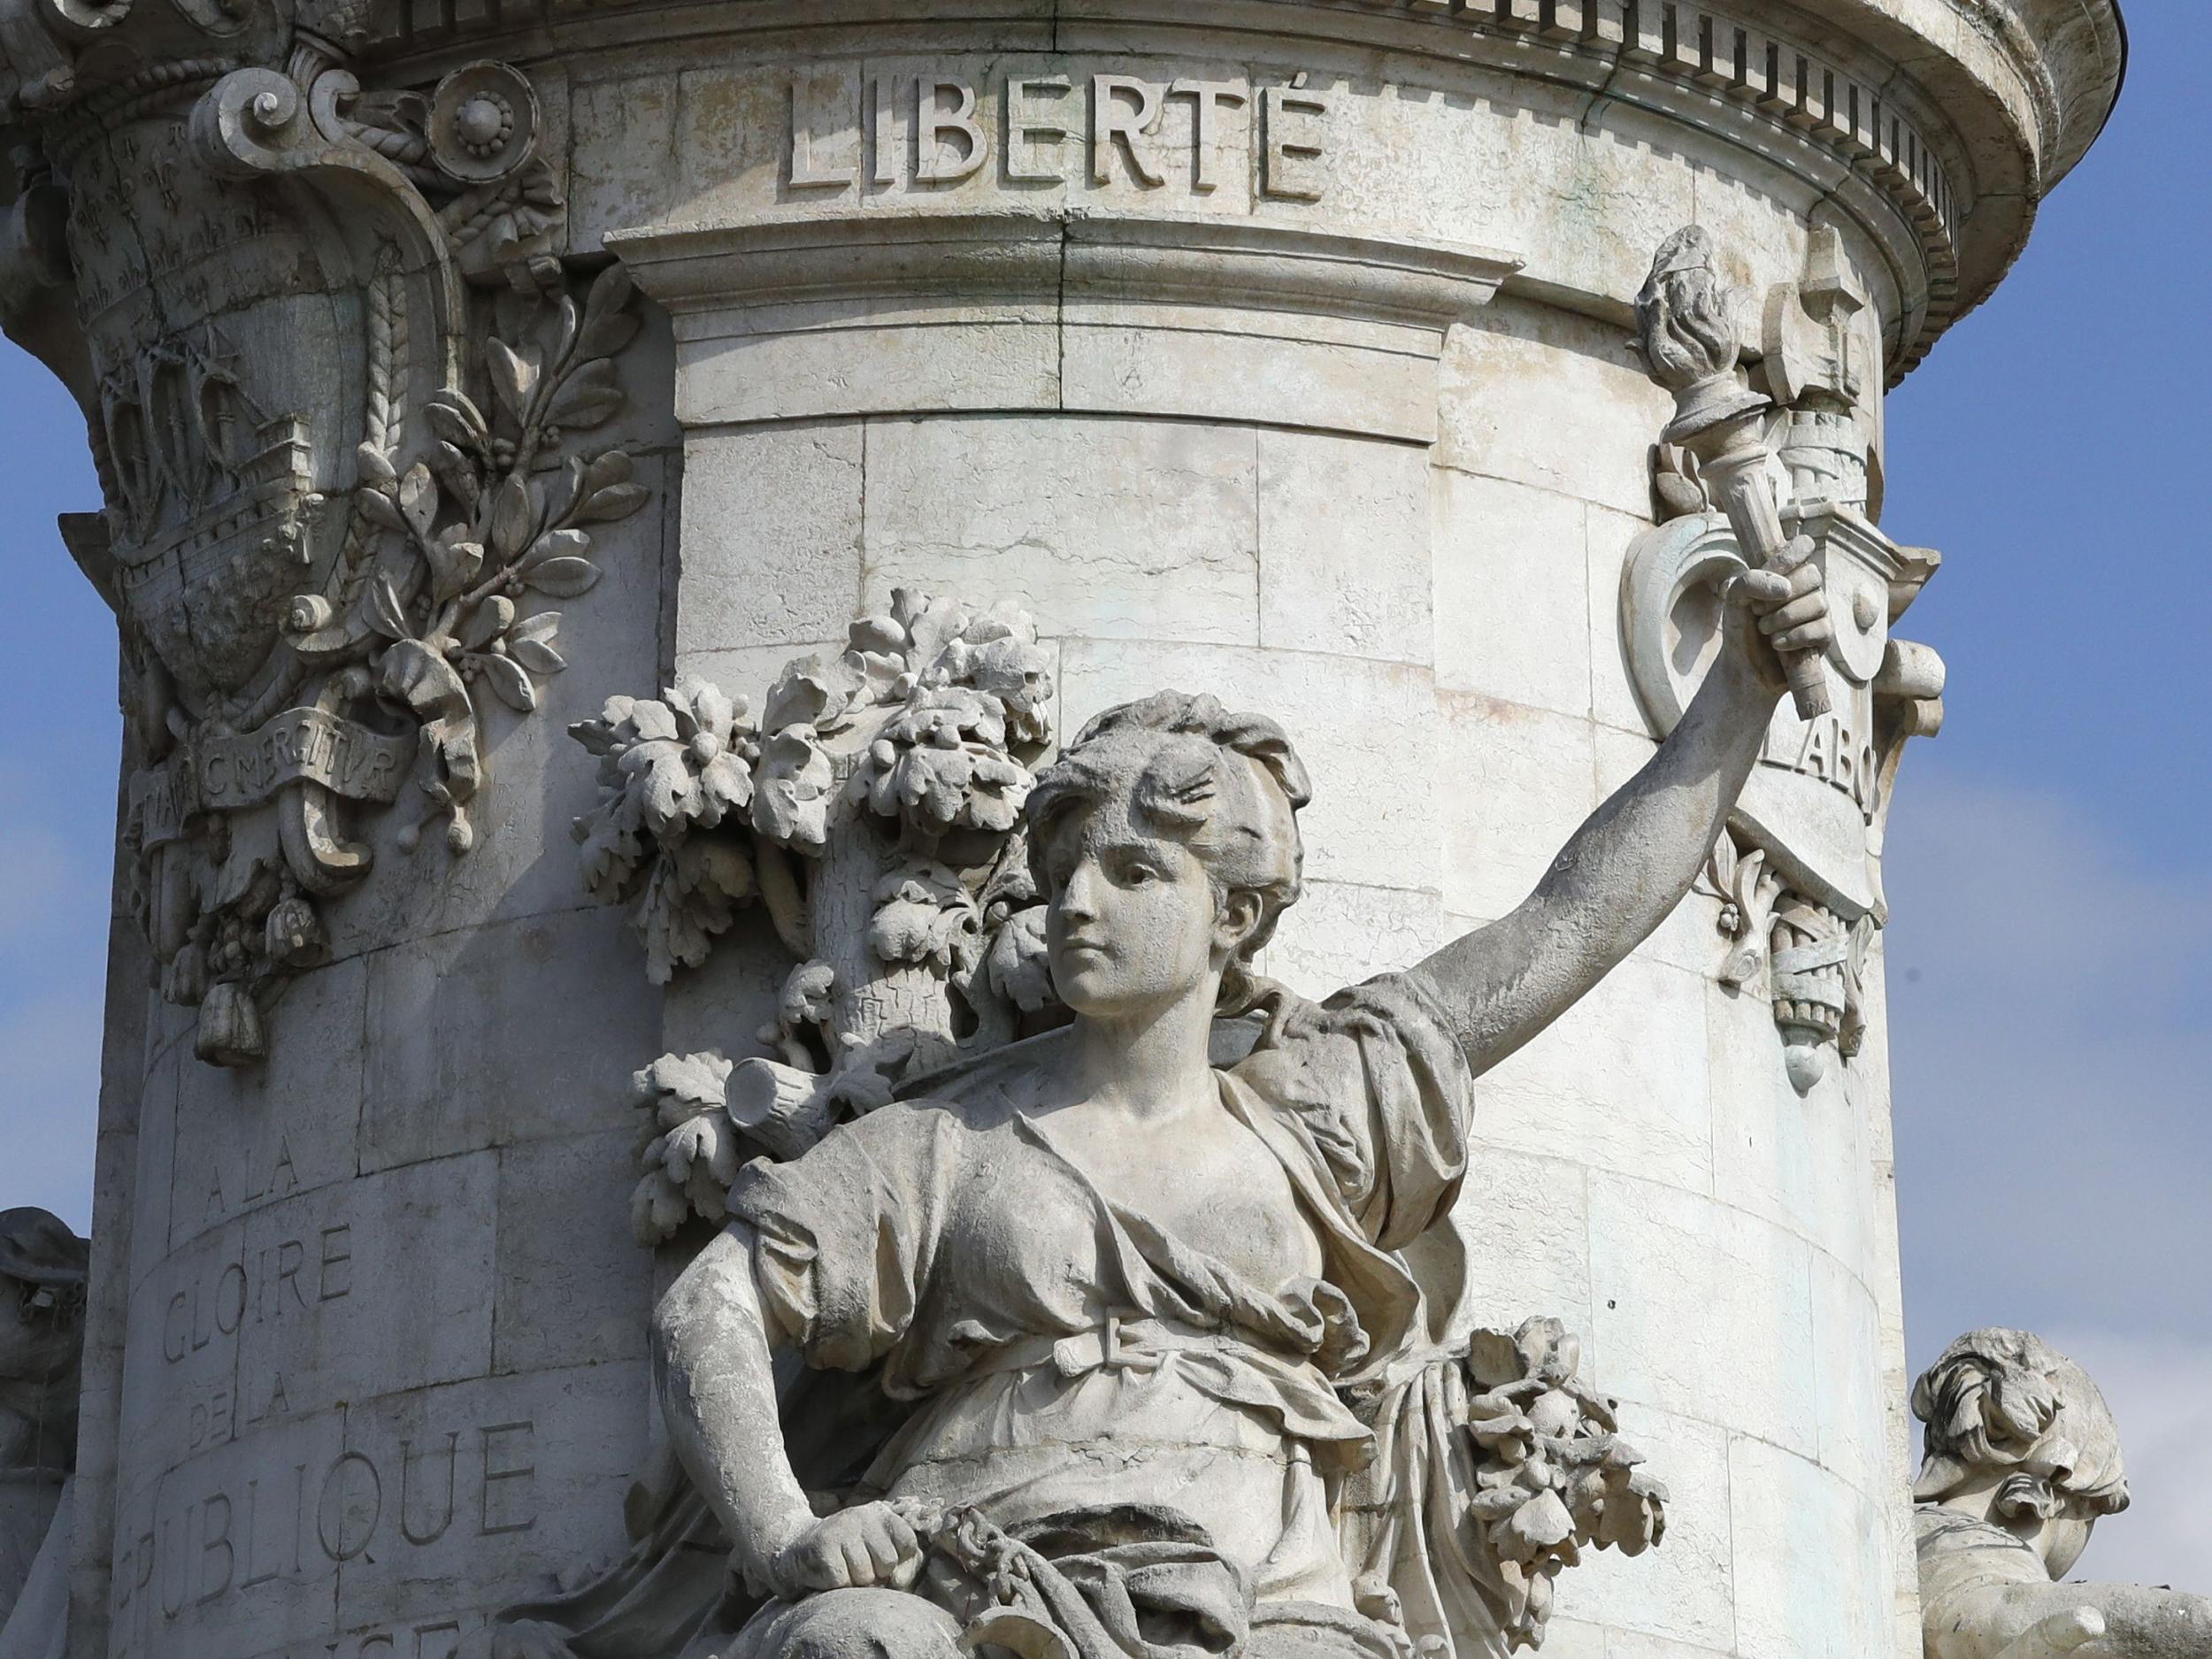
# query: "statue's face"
{"type": "Point", "coordinates": [1132, 924]}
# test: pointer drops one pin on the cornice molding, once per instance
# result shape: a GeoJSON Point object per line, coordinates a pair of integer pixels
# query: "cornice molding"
{"type": "Point", "coordinates": [1958, 114]}
{"type": "Point", "coordinates": [1058, 309]}
{"type": "Point", "coordinates": [1060, 254]}
{"type": "Point", "coordinates": [1950, 118]}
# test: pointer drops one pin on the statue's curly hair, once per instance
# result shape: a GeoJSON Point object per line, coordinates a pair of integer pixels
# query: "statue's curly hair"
{"type": "Point", "coordinates": [1229, 786]}
{"type": "Point", "coordinates": [2001, 1400]}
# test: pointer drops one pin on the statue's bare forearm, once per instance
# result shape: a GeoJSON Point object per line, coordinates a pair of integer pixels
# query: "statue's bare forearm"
{"type": "Point", "coordinates": [2015, 1621]}
{"type": "Point", "coordinates": [1619, 876]}
{"type": "Point", "coordinates": [2143, 1623]}
{"type": "Point", "coordinates": [713, 1338]}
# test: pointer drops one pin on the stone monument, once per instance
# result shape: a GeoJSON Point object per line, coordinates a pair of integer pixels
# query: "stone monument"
{"type": "Point", "coordinates": [867, 399]}
{"type": "Point", "coordinates": [2023, 1461]}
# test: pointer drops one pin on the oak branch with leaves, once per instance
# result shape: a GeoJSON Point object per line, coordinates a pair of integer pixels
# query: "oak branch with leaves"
{"type": "Point", "coordinates": [488, 518]}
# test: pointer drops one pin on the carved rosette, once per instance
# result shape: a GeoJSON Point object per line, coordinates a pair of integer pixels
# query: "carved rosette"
{"type": "Point", "coordinates": [331, 371]}
{"type": "Point", "coordinates": [1798, 875]}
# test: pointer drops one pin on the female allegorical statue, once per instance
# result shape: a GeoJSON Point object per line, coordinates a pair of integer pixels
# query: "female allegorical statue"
{"type": "Point", "coordinates": [1135, 1311]}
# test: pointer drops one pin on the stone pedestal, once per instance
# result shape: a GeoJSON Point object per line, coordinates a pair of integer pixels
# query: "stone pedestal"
{"type": "Point", "coordinates": [1274, 348]}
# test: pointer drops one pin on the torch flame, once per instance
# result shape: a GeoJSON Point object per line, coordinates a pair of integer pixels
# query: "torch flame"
{"type": "Point", "coordinates": [1687, 318]}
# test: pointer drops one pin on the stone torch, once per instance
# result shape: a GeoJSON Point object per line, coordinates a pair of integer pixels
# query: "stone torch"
{"type": "Point", "coordinates": [1689, 344]}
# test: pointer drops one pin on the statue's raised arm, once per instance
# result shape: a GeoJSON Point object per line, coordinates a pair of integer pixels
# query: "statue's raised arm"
{"type": "Point", "coordinates": [996, 1256]}
{"type": "Point", "coordinates": [1630, 864]}
{"type": "Point", "coordinates": [995, 1250]}
{"type": "Point", "coordinates": [1627, 869]}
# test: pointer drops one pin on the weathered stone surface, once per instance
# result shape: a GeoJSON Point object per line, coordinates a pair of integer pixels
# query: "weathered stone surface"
{"type": "Point", "coordinates": [1365, 593]}
{"type": "Point", "coordinates": [1341, 931]}
{"type": "Point", "coordinates": [1279, 351]}
{"type": "Point", "coordinates": [1662, 1260]}
{"type": "Point", "coordinates": [1623, 1079]}
{"type": "Point", "coordinates": [1684, 1593]}
{"type": "Point", "coordinates": [1108, 516]}
{"type": "Point", "coordinates": [781, 509]}
{"type": "Point", "coordinates": [462, 1063]}
{"type": "Point", "coordinates": [1513, 360]}
{"type": "Point", "coordinates": [1525, 1224]}
{"type": "Point", "coordinates": [1789, 1516]}
{"type": "Point", "coordinates": [1512, 598]}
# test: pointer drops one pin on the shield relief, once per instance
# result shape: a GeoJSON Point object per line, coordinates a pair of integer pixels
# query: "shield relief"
{"type": "Point", "coordinates": [315, 536]}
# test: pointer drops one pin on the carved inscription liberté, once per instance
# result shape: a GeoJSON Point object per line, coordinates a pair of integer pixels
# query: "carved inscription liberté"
{"type": "Point", "coordinates": [1038, 128]}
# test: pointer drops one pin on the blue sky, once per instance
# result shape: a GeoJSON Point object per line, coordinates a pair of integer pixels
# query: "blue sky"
{"type": "Point", "coordinates": [2050, 879]}
{"type": "Point", "coordinates": [2050, 875]}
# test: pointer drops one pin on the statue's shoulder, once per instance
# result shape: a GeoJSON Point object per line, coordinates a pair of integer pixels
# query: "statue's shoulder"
{"type": "Point", "coordinates": [953, 1115]}
{"type": "Point", "coordinates": [1957, 1551]}
{"type": "Point", "coordinates": [986, 1086]}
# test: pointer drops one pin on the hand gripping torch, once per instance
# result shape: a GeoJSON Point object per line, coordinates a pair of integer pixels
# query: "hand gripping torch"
{"type": "Point", "coordinates": [1691, 346]}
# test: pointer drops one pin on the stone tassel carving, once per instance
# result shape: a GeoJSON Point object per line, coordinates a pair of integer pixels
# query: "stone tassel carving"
{"type": "Point", "coordinates": [337, 475]}
{"type": "Point", "coordinates": [2023, 1460]}
{"type": "Point", "coordinates": [1809, 962]}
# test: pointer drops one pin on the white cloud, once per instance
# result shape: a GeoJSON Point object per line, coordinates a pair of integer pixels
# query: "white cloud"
{"type": "Point", "coordinates": [2160, 1389]}
{"type": "Point", "coordinates": [2020, 905]}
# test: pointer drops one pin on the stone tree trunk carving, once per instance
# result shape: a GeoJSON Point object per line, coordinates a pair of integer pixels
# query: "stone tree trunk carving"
{"type": "Point", "coordinates": [873, 811]}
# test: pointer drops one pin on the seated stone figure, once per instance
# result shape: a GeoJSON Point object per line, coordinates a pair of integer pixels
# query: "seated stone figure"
{"type": "Point", "coordinates": [2023, 1461]}
{"type": "Point", "coordinates": [42, 1271]}
{"type": "Point", "coordinates": [1145, 1325]}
